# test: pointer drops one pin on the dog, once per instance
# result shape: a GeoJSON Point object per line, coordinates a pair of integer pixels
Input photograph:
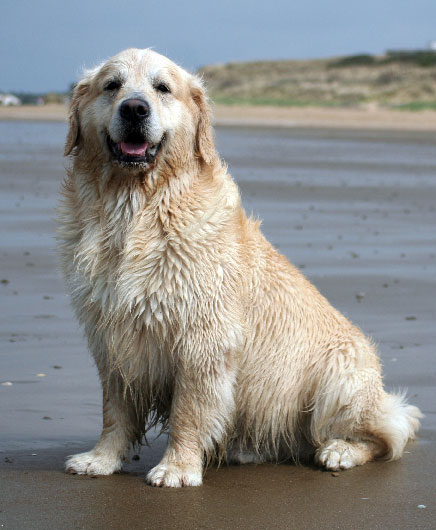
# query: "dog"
{"type": "Point", "coordinates": [196, 323]}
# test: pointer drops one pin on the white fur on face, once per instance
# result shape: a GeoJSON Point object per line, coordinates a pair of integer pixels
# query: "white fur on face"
{"type": "Point", "coordinates": [140, 72]}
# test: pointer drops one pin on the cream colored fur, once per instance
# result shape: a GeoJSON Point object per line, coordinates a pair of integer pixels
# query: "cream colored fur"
{"type": "Point", "coordinates": [193, 318]}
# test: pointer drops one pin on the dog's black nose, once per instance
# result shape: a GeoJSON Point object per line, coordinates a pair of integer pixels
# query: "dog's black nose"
{"type": "Point", "coordinates": [134, 110]}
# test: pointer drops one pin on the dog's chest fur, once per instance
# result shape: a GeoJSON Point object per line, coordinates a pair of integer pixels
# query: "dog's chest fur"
{"type": "Point", "coordinates": [139, 273]}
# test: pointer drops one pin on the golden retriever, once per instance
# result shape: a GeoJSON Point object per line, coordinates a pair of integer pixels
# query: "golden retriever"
{"type": "Point", "coordinates": [195, 321]}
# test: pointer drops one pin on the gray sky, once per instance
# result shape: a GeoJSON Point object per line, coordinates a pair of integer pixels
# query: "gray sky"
{"type": "Point", "coordinates": [46, 43]}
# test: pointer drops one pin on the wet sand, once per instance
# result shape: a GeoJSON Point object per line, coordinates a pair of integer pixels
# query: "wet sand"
{"type": "Point", "coordinates": [355, 210]}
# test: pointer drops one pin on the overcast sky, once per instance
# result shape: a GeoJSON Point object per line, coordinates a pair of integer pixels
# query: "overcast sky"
{"type": "Point", "coordinates": [46, 43]}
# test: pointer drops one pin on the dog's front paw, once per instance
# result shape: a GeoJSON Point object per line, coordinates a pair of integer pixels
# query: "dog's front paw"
{"type": "Point", "coordinates": [172, 475]}
{"type": "Point", "coordinates": [92, 463]}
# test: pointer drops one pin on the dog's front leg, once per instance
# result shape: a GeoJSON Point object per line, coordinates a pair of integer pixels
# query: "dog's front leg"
{"type": "Point", "coordinates": [201, 412]}
{"type": "Point", "coordinates": [118, 432]}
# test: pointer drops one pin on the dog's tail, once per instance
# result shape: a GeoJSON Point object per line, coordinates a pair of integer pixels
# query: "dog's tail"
{"type": "Point", "coordinates": [395, 423]}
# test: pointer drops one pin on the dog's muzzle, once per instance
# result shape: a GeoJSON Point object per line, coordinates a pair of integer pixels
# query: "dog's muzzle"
{"type": "Point", "coordinates": [135, 148]}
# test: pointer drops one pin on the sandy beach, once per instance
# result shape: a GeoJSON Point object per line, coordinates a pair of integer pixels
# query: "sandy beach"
{"type": "Point", "coordinates": [369, 117]}
{"type": "Point", "coordinates": [348, 200]}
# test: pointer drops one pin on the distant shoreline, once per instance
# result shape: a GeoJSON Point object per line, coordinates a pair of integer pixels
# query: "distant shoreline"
{"type": "Point", "coordinates": [50, 112]}
{"type": "Point", "coordinates": [258, 116]}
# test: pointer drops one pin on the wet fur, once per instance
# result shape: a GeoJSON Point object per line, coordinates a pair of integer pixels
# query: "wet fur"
{"type": "Point", "coordinates": [195, 320]}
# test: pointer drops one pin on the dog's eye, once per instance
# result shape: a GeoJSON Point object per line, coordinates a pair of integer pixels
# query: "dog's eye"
{"type": "Point", "coordinates": [162, 87]}
{"type": "Point", "coordinates": [113, 85]}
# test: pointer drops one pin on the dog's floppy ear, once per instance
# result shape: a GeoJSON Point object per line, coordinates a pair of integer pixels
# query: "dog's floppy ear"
{"type": "Point", "coordinates": [204, 140]}
{"type": "Point", "coordinates": [73, 116]}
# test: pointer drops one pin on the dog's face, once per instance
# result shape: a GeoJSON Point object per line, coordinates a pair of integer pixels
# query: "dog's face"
{"type": "Point", "coordinates": [134, 107]}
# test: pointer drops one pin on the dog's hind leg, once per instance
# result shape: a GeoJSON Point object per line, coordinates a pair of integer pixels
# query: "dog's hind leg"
{"type": "Point", "coordinates": [381, 429]}
{"type": "Point", "coordinates": [118, 433]}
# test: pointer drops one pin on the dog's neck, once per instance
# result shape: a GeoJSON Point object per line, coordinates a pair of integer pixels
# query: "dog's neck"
{"type": "Point", "coordinates": [118, 200]}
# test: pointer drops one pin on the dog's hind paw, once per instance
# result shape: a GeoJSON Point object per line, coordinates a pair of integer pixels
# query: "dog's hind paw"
{"type": "Point", "coordinates": [341, 454]}
{"type": "Point", "coordinates": [171, 475]}
{"type": "Point", "coordinates": [92, 463]}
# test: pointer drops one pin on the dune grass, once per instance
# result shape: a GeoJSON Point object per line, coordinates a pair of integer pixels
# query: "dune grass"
{"type": "Point", "coordinates": [276, 102]}
{"type": "Point", "coordinates": [417, 106]}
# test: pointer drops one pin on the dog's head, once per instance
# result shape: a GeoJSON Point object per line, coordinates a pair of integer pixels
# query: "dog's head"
{"type": "Point", "coordinates": [139, 107]}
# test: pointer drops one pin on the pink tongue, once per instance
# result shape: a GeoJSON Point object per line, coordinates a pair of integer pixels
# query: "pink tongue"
{"type": "Point", "coordinates": [133, 149]}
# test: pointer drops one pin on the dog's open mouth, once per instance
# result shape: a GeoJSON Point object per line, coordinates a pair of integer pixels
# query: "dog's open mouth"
{"type": "Point", "coordinates": [134, 152]}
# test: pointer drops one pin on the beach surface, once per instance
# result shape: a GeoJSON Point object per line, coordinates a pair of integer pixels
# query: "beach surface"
{"type": "Point", "coordinates": [357, 118]}
{"type": "Point", "coordinates": [354, 208]}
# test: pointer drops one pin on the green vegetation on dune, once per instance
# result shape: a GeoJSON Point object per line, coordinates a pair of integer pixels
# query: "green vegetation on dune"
{"type": "Point", "coordinates": [354, 60]}
{"type": "Point", "coordinates": [398, 79]}
{"type": "Point", "coordinates": [422, 58]}
{"type": "Point", "coordinates": [418, 105]}
{"type": "Point", "coordinates": [274, 102]}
